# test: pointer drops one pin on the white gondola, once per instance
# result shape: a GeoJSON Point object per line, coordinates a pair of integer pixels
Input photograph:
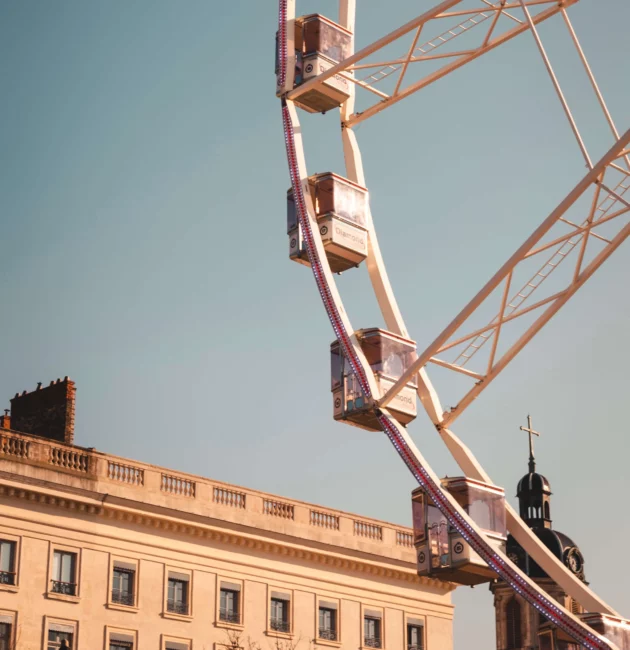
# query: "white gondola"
{"type": "Point", "coordinates": [341, 211]}
{"type": "Point", "coordinates": [617, 630]}
{"type": "Point", "coordinates": [441, 550]}
{"type": "Point", "coordinates": [320, 43]}
{"type": "Point", "coordinates": [389, 355]}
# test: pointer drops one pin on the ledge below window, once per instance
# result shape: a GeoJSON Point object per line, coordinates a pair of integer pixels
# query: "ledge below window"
{"type": "Point", "coordinates": [65, 597]}
{"type": "Point", "coordinates": [229, 626]}
{"type": "Point", "coordinates": [328, 642]}
{"type": "Point", "coordinates": [177, 617]}
{"type": "Point", "coordinates": [122, 608]}
{"type": "Point", "coordinates": [279, 635]}
{"type": "Point", "coordinates": [11, 588]}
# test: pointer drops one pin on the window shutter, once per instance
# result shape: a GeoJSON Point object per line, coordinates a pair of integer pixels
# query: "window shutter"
{"type": "Point", "coordinates": [232, 586]}
{"type": "Point", "coordinates": [125, 566]}
{"type": "Point", "coordinates": [58, 627]}
{"type": "Point", "coordinates": [173, 575]}
{"type": "Point", "coordinates": [118, 636]}
{"type": "Point", "coordinates": [327, 605]}
{"type": "Point", "coordinates": [280, 595]}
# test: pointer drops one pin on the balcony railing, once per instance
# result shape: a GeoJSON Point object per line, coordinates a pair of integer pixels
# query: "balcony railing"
{"type": "Point", "coordinates": [121, 597]}
{"type": "Point", "coordinates": [203, 496]}
{"type": "Point", "coordinates": [278, 625]}
{"type": "Point", "coordinates": [327, 634]}
{"type": "Point", "coordinates": [7, 578]}
{"type": "Point", "coordinates": [229, 616]}
{"type": "Point", "coordinates": [177, 607]}
{"type": "Point", "coordinates": [65, 588]}
{"type": "Point", "coordinates": [373, 641]}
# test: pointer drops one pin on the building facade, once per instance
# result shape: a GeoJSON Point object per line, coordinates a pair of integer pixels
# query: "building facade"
{"type": "Point", "coordinates": [98, 551]}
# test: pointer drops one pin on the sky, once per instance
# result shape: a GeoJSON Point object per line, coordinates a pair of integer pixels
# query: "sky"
{"type": "Point", "coordinates": [144, 254]}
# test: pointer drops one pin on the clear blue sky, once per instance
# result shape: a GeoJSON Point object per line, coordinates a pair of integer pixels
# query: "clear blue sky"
{"type": "Point", "coordinates": [142, 188]}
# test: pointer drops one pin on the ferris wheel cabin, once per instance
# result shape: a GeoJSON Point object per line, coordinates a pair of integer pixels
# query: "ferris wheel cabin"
{"type": "Point", "coordinates": [441, 550]}
{"type": "Point", "coordinates": [617, 630]}
{"type": "Point", "coordinates": [341, 212]}
{"type": "Point", "coordinates": [320, 43]}
{"type": "Point", "coordinates": [389, 356]}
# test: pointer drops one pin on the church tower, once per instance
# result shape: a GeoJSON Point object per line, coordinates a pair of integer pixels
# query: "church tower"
{"type": "Point", "coordinates": [517, 622]}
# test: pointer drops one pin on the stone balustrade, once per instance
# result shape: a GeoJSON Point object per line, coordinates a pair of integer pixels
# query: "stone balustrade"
{"type": "Point", "coordinates": [145, 483]}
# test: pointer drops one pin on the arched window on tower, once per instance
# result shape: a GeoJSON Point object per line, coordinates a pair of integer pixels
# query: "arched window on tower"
{"type": "Point", "coordinates": [513, 624]}
{"type": "Point", "coordinates": [547, 510]}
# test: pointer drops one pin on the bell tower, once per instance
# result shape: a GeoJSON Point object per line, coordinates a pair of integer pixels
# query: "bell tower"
{"type": "Point", "coordinates": [534, 491]}
{"type": "Point", "coordinates": [517, 622]}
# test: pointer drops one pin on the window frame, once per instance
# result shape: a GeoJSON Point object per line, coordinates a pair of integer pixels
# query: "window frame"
{"type": "Point", "coordinates": [63, 548]}
{"type": "Point", "coordinates": [113, 559]}
{"type": "Point", "coordinates": [229, 580]}
{"type": "Point", "coordinates": [17, 541]}
{"type": "Point", "coordinates": [169, 638]}
{"type": "Point", "coordinates": [13, 615]}
{"type": "Point", "coordinates": [417, 620]}
{"type": "Point", "coordinates": [236, 610]}
{"type": "Point", "coordinates": [54, 620]}
{"type": "Point", "coordinates": [518, 624]}
{"type": "Point", "coordinates": [280, 591]}
{"type": "Point", "coordinates": [110, 629]}
{"type": "Point", "coordinates": [366, 611]}
{"type": "Point", "coordinates": [320, 603]}
{"type": "Point", "coordinates": [168, 569]}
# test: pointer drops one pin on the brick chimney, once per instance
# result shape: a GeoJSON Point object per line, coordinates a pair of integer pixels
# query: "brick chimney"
{"type": "Point", "coordinates": [46, 412]}
{"type": "Point", "coordinates": [5, 420]}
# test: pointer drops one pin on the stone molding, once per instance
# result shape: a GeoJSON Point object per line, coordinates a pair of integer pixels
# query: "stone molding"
{"type": "Point", "coordinates": [86, 472]}
{"type": "Point", "coordinates": [163, 523]}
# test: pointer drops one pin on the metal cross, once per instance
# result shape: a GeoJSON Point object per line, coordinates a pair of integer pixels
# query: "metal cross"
{"type": "Point", "coordinates": [531, 432]}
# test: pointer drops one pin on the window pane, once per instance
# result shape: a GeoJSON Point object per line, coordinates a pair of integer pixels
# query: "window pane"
{"type": "Point", "coordinates": [58, 640]}
{"type": "Point", "coordinates": [177, 596]}
{"type": "Point", "coordinates": [5, 636]}
{"type": "Point", "coordinates": [67, 567]}
{"type": "Point", "coordinates": [6, 556]}
{"type": "Point", "coordinates": [372, 632]}
{"type": "Point", "coordinates": [229, 606]}
{"type": "Point", "coordinates": [327, 624]}
{"type": "Point", "coordinates": [415, 637]}
{"type": "Point", "coordinates": [123, 586]}
{"type": "Point", "coordinates": [56, 566]}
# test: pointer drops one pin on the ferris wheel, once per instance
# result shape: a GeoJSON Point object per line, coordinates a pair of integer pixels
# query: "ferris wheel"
{"type": "Point", "coordinates": [460, 525]}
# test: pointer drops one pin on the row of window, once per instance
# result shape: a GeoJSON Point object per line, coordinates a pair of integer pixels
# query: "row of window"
{"type": "Point", "coordinates": [62, 636]}
{"type": "Point", "coordinates": [64, 582]}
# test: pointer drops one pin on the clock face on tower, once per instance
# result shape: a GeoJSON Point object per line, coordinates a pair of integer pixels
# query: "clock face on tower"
{"type": "Point", "coordinates": [574, 560]}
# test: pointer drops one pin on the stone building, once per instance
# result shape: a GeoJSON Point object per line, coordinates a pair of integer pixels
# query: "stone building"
{"type": "Point", "coordinates": [517, 622]}
{"type": "Point", "coordinates": [98, 551]}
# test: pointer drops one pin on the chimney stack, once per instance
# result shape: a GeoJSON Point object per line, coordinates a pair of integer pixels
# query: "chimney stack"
{"type": "Point", "coordinates": [46, 412]}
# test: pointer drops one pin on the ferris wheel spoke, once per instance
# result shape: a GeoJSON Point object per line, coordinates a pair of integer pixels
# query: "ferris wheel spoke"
{"type": "Point", "coordinates": [600, 213]}
{"type": "Point", "coordinates": [496, 34]}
